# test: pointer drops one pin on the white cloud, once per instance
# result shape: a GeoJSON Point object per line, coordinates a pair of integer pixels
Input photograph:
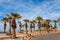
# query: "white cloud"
{"type": "Point", "coordinates": [53, 15]}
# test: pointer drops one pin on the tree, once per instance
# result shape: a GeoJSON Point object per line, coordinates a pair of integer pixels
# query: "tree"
{"type": "Point", "coordinates": [55, 26]}
{"type": "Point", "coordinates": [31, 25]}
{"type": "Point", "coordinates": [34, 24]}
{"type": "Point", "coordinates": [39, 23]}
{"type": "Point", "coordinates": [9, 19]}
{"type": "Point", "coordinates": [5, 20]}
{"type": "Point", "coordinates": [26, 25]}
{"type": "Point", "coordinates": [47, 24]}
{"type": "Point", "coordinates": [58, 21]}
{"type": "Point", "coordinates": [14, 17]}
{"type": "Point", "coordinates": [20, 25]}
{"type": "Point", "coordinates": [48, 21]}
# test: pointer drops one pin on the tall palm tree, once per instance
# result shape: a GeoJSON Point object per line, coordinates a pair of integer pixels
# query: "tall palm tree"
{"type": "Point", "coordinates": [14, 17]}
{"type": "Point", "coordinates": [20, 25]}
{"type": "Point", "coordinates": [26, 25]}
{"type": "Point", "coordinates": [31, 25]}
{"type": "Point", "coordinates": [47, 21]}
{"type": "Point", "coordinates": [58, 20]}
{"type": "Point", "coordinates": [34, 24]}
{"type": "Point", "coordinates": [55, 21]}
{"type": "Point", "coordinates": [9, 19]}
{"type": "Point", "coordinates": [5, 20]}
{"type": "Point", "coordinates": [39, 23]}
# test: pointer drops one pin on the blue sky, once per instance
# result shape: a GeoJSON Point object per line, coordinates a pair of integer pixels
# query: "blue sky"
{"type": "Point", "coordinates": [30, 9]}
{"type": "Point", "coordinates": [48, 9]}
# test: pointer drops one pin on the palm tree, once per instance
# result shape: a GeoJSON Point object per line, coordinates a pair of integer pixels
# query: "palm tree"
{"type": "Point", "coordinates": [31, 25]}
{"type": "Point", "coordinates": [39, 23]}
{"type": "Point", "coordinates": [26, 25]}
{"type": "Point", "coordinates": [34, 24]}
{"type": "Point", "coordinates": [14, 17]}
{"type": "Point", "coordinates": [9, 19]}
{"type": "Point", "coordinates": [55, 21]}
{"type": "Point", "coordinates": [59, 20]}
{"type": "Point", "coordinates": [47, 21]}
{"type": "Point", "coordinates": [5, 20]}
{"type": "Point", "coordinates": [20, 25]}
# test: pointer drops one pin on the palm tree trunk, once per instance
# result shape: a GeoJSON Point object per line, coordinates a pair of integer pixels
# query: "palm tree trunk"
{"type": "Point", "coordinates": [31, 27]}
{"type": "Point", "coordinates": [34, 26]}
{"type": "Point", "coordinates": [47, 30]}
{"type": "Point", "coordinates": [13, 34]}
{"type": "Point", "coordinates": [59, 23]}
{"type": "Point", "coordinates": [39, 30]}
{"type": "Point", "coordinates": [39, 27]}
{"type": "Point", "coordinates": [31, 30]}
{"type": "Point", "coordinates": [4, 30]}
{"type": "Point", "coordinates": [55, 27]}
{"type": "Point", "coordinates": [26, 28]}
{"type": "Point", "coordinates": [4, 27]}
{"type": "Point", "coordinates": [26, 31]}
{"type": "Point", "coordinates": [20, 29]}
{"type": "Point", "coordinates": [10, 28]}
{"type": "Point", "coordinates": [14, 27]}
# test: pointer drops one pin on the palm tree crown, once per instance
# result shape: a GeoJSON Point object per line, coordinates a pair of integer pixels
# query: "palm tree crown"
{"type": "Point", "coordinates": [5, 19]}
{"type": "Point", "coordinates": [26, 20]}
{"type": "Point", "coordinates": [54, 20]}
{"type": "Point", "coordinates": [59, 20]}
{"type": "Point", "coordinates": [39, 18]}
{"type": "Point", "coordinates": [48, 21]}
{"type": "Point", "coordinates": [16, 15]}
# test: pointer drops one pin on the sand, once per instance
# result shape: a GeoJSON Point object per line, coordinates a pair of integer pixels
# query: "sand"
{"type": "Point", "coordinates": [43, 36]}
{"type": "Point", "coordinates": [6, 37]}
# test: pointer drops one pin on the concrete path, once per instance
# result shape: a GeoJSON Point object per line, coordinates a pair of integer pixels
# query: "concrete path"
{"type": "Point", "coordinates": [54, 36]}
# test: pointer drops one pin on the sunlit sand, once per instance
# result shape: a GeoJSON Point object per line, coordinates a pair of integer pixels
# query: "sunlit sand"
{"type": "Point", "coordinates": [22, 36]}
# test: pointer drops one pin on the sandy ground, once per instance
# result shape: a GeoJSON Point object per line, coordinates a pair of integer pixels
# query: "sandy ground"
{"type": "Point", "coordinates": [43, 36]}
{"type": "Point", "coordinates": [6, 37]}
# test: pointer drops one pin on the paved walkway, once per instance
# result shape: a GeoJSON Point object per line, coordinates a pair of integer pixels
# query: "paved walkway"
{"type": "Point", "coordinates": [54, 36]}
